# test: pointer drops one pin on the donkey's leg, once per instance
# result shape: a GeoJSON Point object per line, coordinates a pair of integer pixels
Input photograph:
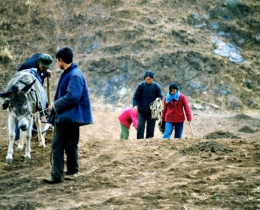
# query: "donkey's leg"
{"type": "Point", "coordinates": [11, 126]}
{"type": "Point", "coordinates": [21, 141]}
{"type": "Point", "coordinates": [46, 128]}
{"type": "Point", "coordinates": [41, 138]}
{"type": "Point", "coordinates": [28, 133]}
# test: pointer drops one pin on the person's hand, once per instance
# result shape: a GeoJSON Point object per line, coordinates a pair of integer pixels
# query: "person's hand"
{"type": "Point", "coordinates": [50, 107]}
{"type": "Point", "coordinates": [135, 108]}
{"type": "Point", "coordinates": [48, 72]}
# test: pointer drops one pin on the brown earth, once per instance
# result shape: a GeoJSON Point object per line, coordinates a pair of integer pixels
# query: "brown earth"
{"type": "Point", "coordinates": [114, 42]}
{"type": "Point", "coordinates": [216, 169]}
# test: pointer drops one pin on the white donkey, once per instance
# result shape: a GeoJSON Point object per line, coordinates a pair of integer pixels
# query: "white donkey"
{"type": "Point", "coordinates": [23, 108]}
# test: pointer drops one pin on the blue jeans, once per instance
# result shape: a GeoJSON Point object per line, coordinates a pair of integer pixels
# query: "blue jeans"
{"type": "Point", "coordinates": [145, 117]}
{"type": "Point", "coordinates": [178, 127]}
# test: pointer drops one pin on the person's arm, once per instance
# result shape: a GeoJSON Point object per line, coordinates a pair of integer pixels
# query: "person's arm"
{"type": "Point", "coordinates": [136, 97]}
{"type": "Point", "coordinates": [46, 73]}
{"type": "Point", "coordinates": [164, 110]}
{"type": "Point", "coordinates": [187, 109]}
{"type": "Point", "coordinates": [134, 117]}
{"type": "Point", "coordinates": [159, 92]}
{"type": "Point", "coordinates": [72, 97]}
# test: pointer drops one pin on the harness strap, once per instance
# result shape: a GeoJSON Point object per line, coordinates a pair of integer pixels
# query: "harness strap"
{"type": "Point", "coordinates": [26, 113]}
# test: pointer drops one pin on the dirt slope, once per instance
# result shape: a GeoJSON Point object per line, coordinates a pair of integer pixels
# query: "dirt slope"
{"type": "Point", "coordinates": [114, 42]}
{"type": "Point", "coordinates": [218, 171]}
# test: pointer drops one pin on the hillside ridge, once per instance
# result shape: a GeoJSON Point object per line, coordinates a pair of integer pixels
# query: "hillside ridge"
{"type": "Point", "coordinates": [209, 48]}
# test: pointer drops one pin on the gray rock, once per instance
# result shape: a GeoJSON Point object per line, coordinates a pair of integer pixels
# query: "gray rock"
{"type": "Point", "coordinates": [222, 90]}
{"type": "Point", "coordinates": [233, 103]}
{"type": "Point", "coordinates": [197, 106]}
{"type": "Point", "coordinates": [229, 50]}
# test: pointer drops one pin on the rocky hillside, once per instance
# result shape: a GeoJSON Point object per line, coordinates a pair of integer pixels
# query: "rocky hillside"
{"type": "Point", "coordinates": [211, 48]}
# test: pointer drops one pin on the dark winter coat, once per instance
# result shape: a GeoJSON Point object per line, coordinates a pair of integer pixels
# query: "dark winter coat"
{"type": "Point", "coordinates": [32, 62]}
{"type": "Point", "coordinates": [145, 95]}
{"type": "Point", "coordinates": [71, 102]}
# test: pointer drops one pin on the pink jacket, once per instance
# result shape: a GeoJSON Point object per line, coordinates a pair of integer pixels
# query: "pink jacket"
{"type": "Point", "coordinates": [128, 117]}
{"type": "Point", "coordinates": [173, 111]}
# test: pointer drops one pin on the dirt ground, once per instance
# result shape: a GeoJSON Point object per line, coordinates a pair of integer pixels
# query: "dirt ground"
{"type": "Point", "coordinates": [216, 169]}
{"type": "Point", "coordinates": [114, 42]}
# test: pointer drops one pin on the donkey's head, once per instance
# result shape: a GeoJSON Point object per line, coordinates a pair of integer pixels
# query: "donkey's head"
{"type": "Point", "coordinates": [19, 104]}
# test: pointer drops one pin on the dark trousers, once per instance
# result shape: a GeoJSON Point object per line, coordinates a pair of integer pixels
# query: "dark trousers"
{"type": "Point", "coordinates": [65, 138]}
{"type": "Point", "coordinates": [145, 117]}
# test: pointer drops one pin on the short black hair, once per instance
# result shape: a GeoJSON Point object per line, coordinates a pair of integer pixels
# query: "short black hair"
{"type": "Point", "coordinates": [66, 54]}
{"type": "Point", "coordinates": [173, 85]}
{"type": "Point", "coordinates": [148, 73]}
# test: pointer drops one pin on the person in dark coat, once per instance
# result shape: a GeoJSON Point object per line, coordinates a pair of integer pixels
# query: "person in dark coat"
{"type": "Point", "coordinates": [71, 110]}
{"type": "Point", "coordinates": [41, 63]}
{"type": "Point", "coordinates": [145, 93]}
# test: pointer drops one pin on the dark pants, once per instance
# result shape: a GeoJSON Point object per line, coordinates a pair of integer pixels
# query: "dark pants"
{"type": "Point", "coordinates": [65, 138]}
{"type": "Point", "coordinates": [145, 117]}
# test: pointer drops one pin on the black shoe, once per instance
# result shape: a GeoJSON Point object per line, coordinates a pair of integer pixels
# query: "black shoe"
{"type": "Point", "coordinates": [51, 180]}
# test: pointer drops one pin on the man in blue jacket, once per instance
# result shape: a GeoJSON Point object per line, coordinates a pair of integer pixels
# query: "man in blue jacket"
{"type": "Point", "coordinates": [146, 92]}
{"type": "Point", "coordinates": [72, 109]}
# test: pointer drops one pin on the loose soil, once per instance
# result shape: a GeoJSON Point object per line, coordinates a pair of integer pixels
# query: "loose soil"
{"type": "Point", "coordinates": [216, 169]}
{"type": "Point", "coordinates": [114, 42]}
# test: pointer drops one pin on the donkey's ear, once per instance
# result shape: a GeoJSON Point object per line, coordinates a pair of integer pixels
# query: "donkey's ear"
{"type": "Point", "coordinates": [27, 87]}
{"type": "Point", "coordinates": [5, 94]}
{"type": "Point", "coordinates": [14, 88]}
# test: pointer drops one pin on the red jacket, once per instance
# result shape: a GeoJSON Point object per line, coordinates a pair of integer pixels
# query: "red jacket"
{"type": "Point", "coordinates": [128, 117]}
{"type": "Point", "coordinates": [174, 110]}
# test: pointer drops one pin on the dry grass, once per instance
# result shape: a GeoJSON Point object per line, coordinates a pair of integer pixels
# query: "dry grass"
{"type": "Point", "coordinates": [6, 55]}
{"type": "Point", "coordinates": [144, 34]}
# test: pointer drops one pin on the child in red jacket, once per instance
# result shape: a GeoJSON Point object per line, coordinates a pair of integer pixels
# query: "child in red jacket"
{"type": "Point", "coordinates": [126, 118]}
{"type": "Point", "coordinates": [175, 104]}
